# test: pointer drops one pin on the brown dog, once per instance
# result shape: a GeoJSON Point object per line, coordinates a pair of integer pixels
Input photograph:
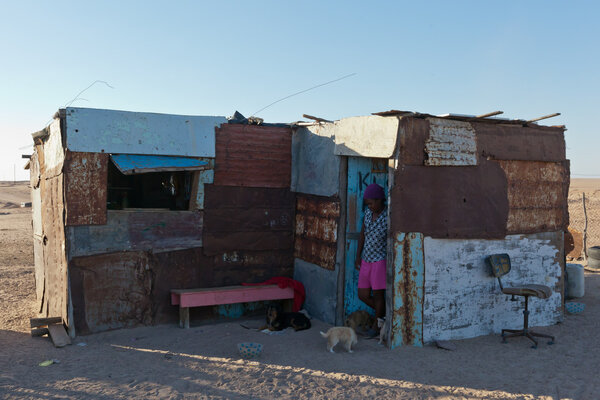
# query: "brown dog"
{"type": "Point", "coordinates": [360, 319]}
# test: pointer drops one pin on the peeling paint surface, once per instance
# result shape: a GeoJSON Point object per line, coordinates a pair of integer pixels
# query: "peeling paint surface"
{"type": "Point", "coordinates": [316, 227]}
{"type": "Point", "coordinates": [450, 143]}
{"type": "Point", "coordinates": [111, 131]}
{"type": "Point", "coordinates": [407, 290]}
{"type": "Point", "coordinates": [462, 298]}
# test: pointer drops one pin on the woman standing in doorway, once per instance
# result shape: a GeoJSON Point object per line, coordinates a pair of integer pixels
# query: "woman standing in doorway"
{"type": "Point", "coordinates": [371, 253]}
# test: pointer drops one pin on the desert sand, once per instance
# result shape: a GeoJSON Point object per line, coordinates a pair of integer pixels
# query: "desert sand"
{"type": "Point", "coordinates": [166, 362]}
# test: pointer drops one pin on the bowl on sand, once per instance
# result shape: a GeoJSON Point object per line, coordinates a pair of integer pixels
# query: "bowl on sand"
{"type": "Point", "coordinates": [249, 349]}
{"type": "Point", "coordinates": [574, 308]}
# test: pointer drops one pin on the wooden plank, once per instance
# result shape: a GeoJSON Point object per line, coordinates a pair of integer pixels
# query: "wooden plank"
{"type": "Point", "coordinates": [59, 336]}
{"type": "Point", "coordinates": [241, 294]}
{"type": "Point", "coordinates": [39, 332]}
{"type": "Point", "coordinates": [222, 288]}
{"type": "Point", "coordinates": [37, 322]}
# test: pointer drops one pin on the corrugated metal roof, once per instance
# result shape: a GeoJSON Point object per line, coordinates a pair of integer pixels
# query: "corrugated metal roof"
{"type": "Point", "coordinates": [137, 164]}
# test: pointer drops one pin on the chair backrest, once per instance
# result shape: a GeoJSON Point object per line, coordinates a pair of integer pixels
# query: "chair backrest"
{"type": "Point", "coordinates": [499, 263]}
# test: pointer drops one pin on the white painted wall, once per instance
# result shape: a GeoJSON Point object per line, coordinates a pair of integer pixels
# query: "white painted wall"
{"type": "Point", "coordinates": [367, 136]}
{"type": "Point", "coordinates": [462, 299]}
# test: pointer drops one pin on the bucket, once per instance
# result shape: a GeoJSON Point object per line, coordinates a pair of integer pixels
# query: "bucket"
{"type": "Point", "coordinates": [575, 281]}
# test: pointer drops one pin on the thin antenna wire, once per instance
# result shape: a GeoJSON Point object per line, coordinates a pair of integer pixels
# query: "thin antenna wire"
{"type": "Point", "coordinates": [78, 94]}
{"type": "Point", "coordinates": [300, 92]}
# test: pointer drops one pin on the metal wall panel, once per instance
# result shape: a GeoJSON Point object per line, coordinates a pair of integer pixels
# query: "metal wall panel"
{"type": "Point", "coordinates": [321, 289]}
{"type": "Point", "coordinates": [253, 156]}
{"type": "Point", "coordinates": [315, 169]}
{"type": "Point", "coordinates": [316, 230]}
{"type": "Point", "coordinates": [537, 196]}
{"type": "Point", "coordinates": [85, 176]}
{"type": "Point", "coordinates": [111, 131]}
{"type": "Point", "coordinates": [137, 230]}
{"type": "Point", "coordinates": [450, 143]}
{"type": "Point", "coordinates": [463, 299]}
{"type": "Point", "coordinates": [406, 285]}
{"type": "Point", "coordinates": [54, 153]}
{"type": "Point", "coordinates": [367, 136]}
{"type": "Point", "coordinates": [515, 142]}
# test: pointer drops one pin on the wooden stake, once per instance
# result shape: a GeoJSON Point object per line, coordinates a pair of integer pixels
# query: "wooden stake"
{"type": "Point", "coordinates": [585, 223]}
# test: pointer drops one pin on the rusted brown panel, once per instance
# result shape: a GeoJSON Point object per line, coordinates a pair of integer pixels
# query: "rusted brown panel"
{"type": "Point", "coordinates": [223, 242]}
{"type": "Point", "coordinates": [413, 135]}
{"type": "Point", "coordinates": [316, 230]}
{"type": "Point", "coordinates": [253, 219]}
{"type": "Point", "coordinates": [169, 229]}
{"type": "Point", "coordinates": [317, 252]}
{"type": "Point", "coordinates": [536, 195]}
{"type": "Point", "coordinates": [515, 142]}
{"type": "Point", "coordinates": [245, 198]}
{"type": "Point", "coordinates": [111, 291]}
{"type": "Point", "coordinates": [253, 156]}
{"type": "Point", "coordinates": [236, 267]}
{"type": "Point", "coordinates": [85, 188]}
{"type": "Point", "coordinates": [450, 202]}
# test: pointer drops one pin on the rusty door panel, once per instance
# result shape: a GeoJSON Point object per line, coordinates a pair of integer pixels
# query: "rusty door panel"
{"type": "Point", "coordinates": [406, 281]}
{"type": "Point", "coordinates": [253, 156]}
{"type": "Point", "coordinates": [86, 177]}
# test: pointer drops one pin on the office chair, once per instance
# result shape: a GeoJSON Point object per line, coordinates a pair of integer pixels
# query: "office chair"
{"type": "Point", "coordinates": [500, 266]}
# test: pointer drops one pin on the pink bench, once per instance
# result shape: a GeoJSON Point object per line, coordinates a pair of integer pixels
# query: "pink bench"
{"type": "Point", "coordinates": [187, 298]}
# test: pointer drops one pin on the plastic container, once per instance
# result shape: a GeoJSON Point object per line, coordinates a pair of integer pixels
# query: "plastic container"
{"type": "Point", "coordinates": [249, 349]}
{"type": "Point", "coordinates": [575, 281]}
{"type": "Point", "coordinates": [574, 308]}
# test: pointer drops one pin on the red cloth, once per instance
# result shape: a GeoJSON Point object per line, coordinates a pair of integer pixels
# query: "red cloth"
{"type": "Point", "coordinates": [283, 282]}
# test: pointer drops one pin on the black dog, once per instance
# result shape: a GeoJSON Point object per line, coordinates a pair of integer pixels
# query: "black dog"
{"type": "Point", "coordinates": [278, 320]}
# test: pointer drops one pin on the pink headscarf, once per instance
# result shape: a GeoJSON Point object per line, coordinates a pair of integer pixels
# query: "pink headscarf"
{"type": "Point", "coordinates": [374, 191]}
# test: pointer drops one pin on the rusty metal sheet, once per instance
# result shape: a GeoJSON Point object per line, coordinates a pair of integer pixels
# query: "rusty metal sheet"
{"type": "Point", "coordinates": [164, 230]}
{"type": "Point", "coordinates": [413, 132]}
{"type": "Point", "coordinates": [137, 230]}
{"type": "Point", "coordinates": [450, 143]}
{"type": "Point", "coordinates": [111, 291]}
{"type": "Point", "coordinates": [316, 230]}
{"type": "Point", "coordinates": [407, 290]}
{"type": "Point", "coordinates": [450, 202]}
{"type": "Point", "coordinates": [247, 219]}
{"type": "Point", "coordinates": [537, 196]}
{"type": "Point", "coordinates": [245, 198]}
{"type": "Point", "coordinates": [253, 156]}
{"type": "Point", "coordinates": [515, 142]}
{"type": "Point", "coordinates": [236, 267]}
{"type": "Point", "coordinates": [86, 177]}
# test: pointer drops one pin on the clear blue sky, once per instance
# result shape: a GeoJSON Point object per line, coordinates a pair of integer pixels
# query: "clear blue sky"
{"type": "Point", "coordinates": [527, 58]}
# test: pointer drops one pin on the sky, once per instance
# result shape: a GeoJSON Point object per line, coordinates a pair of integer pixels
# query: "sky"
{"type": "Point", "coordinates": [526, 58]}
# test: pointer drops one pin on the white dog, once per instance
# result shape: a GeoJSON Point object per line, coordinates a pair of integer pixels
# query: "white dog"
{"type": "Point", "coordinates": [342, 334]}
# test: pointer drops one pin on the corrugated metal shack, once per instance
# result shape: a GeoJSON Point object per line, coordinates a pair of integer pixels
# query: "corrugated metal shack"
{"type": "Point", "coordinates": [459, 188]}
{"type": "Point", "coordinates": [131, 205]}
{"type": "Point", "coordinates": [128, 206]}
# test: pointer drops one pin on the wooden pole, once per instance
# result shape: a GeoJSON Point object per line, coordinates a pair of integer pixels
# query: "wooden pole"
{"type": "Point", "coordinates": [585, 223]}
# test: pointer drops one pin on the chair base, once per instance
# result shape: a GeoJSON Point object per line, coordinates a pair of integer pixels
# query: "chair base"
{"type": "Point", "coordinates": [527, 333]}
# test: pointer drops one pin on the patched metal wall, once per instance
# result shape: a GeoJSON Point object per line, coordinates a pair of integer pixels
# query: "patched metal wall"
{"type": "Point", "coordinates": [450, 143]}
{"type": "Point", "coordinates": [537, 196]}
{"type": "Point", "coordinates": [463, 299]}
{"type": "Point", "coordinates": [85, 178]}
{"type": "Point", "coordinates": [253, 156]}
{"type": "Point", "coordinates": [316, 230]}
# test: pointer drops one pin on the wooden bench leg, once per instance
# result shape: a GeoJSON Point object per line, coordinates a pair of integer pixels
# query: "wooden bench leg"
{"type": "Point", "coordinates": [184, 317]}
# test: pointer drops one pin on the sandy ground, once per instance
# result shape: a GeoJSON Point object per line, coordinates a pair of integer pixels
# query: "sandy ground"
{"type": "Point", "coordinates": [202, 362]}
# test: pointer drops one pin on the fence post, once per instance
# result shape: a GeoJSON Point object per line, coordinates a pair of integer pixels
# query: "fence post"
{"type": "Point", "coordinates": [585, 223]}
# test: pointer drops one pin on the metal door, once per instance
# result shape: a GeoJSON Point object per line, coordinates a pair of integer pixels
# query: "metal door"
{"type": "Point", "coordinates": [361, 173]}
